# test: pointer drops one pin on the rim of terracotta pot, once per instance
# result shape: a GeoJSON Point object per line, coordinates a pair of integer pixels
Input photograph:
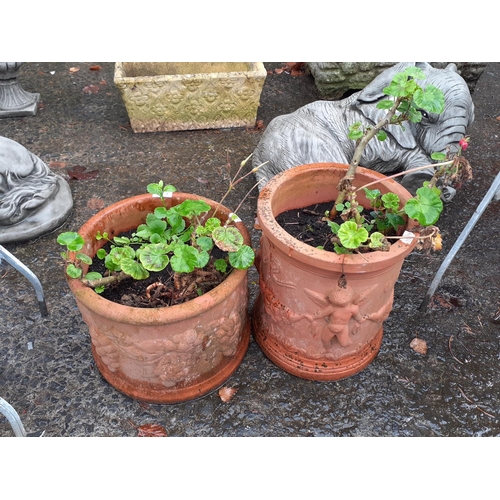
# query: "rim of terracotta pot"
{"type": "Point", "coordinates": [142, 205]}
{"type": "Point", "coordinates": [290, 188]}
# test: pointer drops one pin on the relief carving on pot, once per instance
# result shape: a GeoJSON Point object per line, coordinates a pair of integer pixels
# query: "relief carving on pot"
{"type": "Point", "coordinates": [341, 314]}
{"type": "Point", "coordinates": [168, 360]}
{"type": "Point", "coordinates": [336, 319]}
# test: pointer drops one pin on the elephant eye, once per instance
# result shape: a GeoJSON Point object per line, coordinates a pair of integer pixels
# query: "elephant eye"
{"type": "Point", "coordinates": [424, 113]}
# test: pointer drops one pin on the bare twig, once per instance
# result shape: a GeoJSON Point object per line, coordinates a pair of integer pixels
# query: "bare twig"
{"type": "Point", "coordinates": [477, 406]}
{"type": "Point", "coordinates": [451, 351]}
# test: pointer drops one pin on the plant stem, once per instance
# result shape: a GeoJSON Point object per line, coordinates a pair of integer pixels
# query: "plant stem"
{"type": "Point", "coordinates": [114, 278]}
{"type": "Point", "coordinates": [415, 169]}
{"type": "Point", "coordinates": [346, 181]}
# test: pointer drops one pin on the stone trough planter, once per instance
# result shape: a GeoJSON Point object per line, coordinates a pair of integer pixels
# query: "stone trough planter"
{"type": "Point", "coordinates": [168, 96]}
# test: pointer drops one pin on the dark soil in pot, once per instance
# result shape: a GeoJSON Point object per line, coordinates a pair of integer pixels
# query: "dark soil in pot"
{"type": "Point", "coordinates": [162, 289]}
{"type": "Point", "coordinates": [307, 225]}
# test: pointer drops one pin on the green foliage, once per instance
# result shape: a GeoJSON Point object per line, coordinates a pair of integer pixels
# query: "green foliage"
{"type": "Point", "coordinates": [386, 216]}
{"type": "Point", "coordinates": [355, 131]}
{"type": "Point", "coordinates": [426, 206]}
{"type": "Point", "coordinates": [175, 236]}
{"type": "Point", "coordinates": [407, 101]}
{"type": "Point", "coordinates": [351, 235]}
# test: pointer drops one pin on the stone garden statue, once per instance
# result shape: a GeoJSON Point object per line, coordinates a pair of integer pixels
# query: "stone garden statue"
{"type": "Point", "coordinates": [318, 131]}
{"type": "Point", "coordinates": [33, 200]}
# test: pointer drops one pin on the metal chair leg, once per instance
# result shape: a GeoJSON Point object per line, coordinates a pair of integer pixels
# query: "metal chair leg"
{"type": "Point", "coordinates": [13, 418]}
{"type": "Point", "coordinates": [493, 192]}
{"type": "Point", "coordinates": [25, 271]}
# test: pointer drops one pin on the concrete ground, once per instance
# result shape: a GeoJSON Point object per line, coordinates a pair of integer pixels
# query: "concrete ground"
{"type": "Point", "coordinates": [47, 372]}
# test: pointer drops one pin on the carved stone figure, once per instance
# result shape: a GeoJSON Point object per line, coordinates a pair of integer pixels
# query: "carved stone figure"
{"type": "Point", "coordinates": [33, 200]}
{"type": "Point", "coordinates": [318, 131]}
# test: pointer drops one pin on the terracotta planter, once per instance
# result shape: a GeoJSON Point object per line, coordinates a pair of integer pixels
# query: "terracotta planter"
{"type": "Point", "coordinates": [167, 96]}
{"type": "Point", "coordinates": [171, 354]}
{"type": "Point", "coordinates": [345, 333]}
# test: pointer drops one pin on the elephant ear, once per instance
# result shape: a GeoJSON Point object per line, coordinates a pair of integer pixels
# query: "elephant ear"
{"type": "Point", "coordinates": [374, 91]}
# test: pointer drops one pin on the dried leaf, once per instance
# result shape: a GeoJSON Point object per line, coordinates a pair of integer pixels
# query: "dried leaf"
{"type": "Point", "coordinates": [227, 393]}
{"type": "Point", "coordinates": [95, 68]}
{"type": "Point", "coordinates": [80, 173]}
{"type": "Point", "coordinates": [57, 164]}
{"type": "Point", "coordinates": [439, 301]}
{"type": "Point", "coordinates": [91, 89]}
{"type": "Point", "coordinates": [151, 430]}
{"type": "Point", "coordinates": [419, 345]}
{"type": "Point", "coordinates": [259, 125]}
{"type": "Point", "coordinates": [95, 203]}
{"type": "Point", "coordinates": [74, 70]}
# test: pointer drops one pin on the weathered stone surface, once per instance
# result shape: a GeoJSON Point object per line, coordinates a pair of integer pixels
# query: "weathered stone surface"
{"type": "Point", "coordinates": [334, 79]}
{"type": "Point", "coordinates": [33, 200]}
{"type": "Point", "coordinates": [162, 97]}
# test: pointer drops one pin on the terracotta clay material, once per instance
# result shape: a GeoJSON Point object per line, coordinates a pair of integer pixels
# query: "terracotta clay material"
{"type": "Point", "coordinates": [169, 354]}
{"type": "Point", "coordinates": [319, 314]}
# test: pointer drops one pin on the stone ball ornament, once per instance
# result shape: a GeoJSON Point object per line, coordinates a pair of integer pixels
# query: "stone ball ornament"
{"type": "Point", "coordinates": [33, 200]}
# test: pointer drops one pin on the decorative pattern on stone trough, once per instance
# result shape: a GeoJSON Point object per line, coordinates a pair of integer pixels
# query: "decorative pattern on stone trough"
{"type": "Point", "coordinates": [162, 97]}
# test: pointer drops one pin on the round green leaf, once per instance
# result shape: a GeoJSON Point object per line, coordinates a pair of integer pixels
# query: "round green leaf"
{"type": "Point", "coordinates": [185, 259]}
{"type": "Point", "coordinates": [212, 223]}
{"type": "Point", "coordinates": [426, 207]}
{"type": "Point", "coordinates": [134, 269]}
{"type": "Point", "coordinates": [431, 99]}
{"type": "Point", "coordinates": [117, 254]}
{"type": "Point", "coordinates": [243, 258]}
{"type": "Point", "coordinates": [202, 259]}
{"type": "Point", "coordinates": [84, 258]}
{"type": "Point", "coordinates": [205, 243]}
{"type": "Point", "coordinates": [352, 236]}
{"type": "Point", "coordinates": [221, 265]}
{"type": "Point", "coordinates": [93, 276]}
{"type": "Point", "coordinates": [376, 240]}
{"type": "Point", "coordinates": [381, 135]}
{"type": "Point", "coordinates": [73, 272]}
{"type": "Point", "coordinates": [190, 208]}
{"type": "Point", "coordinates": [154, 257]}
{"type": "Point", "coordinates": [391, 201]}
{"type": "Point", "coordinates": [228, 239]}
{"type": "Point", "coordinates": [73, 241]}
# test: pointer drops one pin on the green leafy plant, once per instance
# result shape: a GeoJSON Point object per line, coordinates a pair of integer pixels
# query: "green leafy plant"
{"type": "Point", "coordinates": [407, 101]}
{"type": "Point", "coordinates": [182, 236]}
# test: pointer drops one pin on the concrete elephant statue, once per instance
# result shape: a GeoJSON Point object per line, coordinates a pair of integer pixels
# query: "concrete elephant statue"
{"type": "Point", "coordinates": [318, 131]}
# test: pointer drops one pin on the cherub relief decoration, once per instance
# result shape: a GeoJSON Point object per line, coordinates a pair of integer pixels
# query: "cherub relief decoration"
{"type": "Point", "coordinates": [340, 307]}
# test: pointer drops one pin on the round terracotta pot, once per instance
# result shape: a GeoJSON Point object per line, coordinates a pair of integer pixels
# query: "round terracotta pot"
{"type": "Point", "coordinates": [169, 354]}
{"type": "Point", "coordinates": [304, 320]}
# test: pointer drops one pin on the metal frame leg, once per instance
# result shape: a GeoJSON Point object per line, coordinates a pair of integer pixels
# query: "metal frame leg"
{"type": "Point", "coordinates": [13, 418]}
{"type": "Point", "coordinates": [26, 272]}
{"type": "Point", "coordinates": [494, 191]}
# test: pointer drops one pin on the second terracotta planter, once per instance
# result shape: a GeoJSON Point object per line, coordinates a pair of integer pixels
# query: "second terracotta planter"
{"type": "Point", "coordinates": [318, 314]}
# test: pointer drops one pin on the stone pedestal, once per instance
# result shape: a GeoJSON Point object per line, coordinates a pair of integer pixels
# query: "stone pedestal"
{"type": "Point", "coordinates": [14, 100]}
